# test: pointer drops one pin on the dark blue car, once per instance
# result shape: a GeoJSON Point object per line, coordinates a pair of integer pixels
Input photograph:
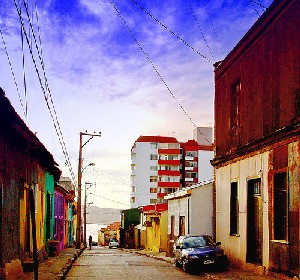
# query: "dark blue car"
{"type": "Point", "coordinates": [199, 252]}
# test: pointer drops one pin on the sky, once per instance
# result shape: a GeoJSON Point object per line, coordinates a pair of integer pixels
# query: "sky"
{"type": "Point", "coordinates": [124, 68]}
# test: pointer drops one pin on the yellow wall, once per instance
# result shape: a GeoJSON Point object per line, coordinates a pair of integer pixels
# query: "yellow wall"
{"type": "Point", "coordinates": [164, 231]}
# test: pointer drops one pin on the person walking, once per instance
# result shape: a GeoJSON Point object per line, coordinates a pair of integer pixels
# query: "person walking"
{"type": "Point", "coordinates": [90, 242]}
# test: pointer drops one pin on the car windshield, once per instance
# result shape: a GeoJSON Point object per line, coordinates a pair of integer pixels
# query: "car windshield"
{"type": "Point", "coordinates": [197, 241]}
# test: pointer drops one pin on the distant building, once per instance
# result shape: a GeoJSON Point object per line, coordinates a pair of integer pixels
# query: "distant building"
{"type": "Point", "coordinates": [162, 165]}
{"type": "Point", "coordinates": [196, 157]}
{"type": "Point", "coordinates": [155, 169]}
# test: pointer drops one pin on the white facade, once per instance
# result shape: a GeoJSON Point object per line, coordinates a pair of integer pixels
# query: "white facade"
{"type": "Point", "coordinates": [195, 204]}
{"type": "Point", "coordinates": [255, 167]}
{"type": "Point", "coordinates": [143, 167]}
{"type": "Point", "coordinates": [205, 169]}
{"type": "Point", "coordinates": [155, 165]}
{"type": "Point", "coordinates": [203, 135]}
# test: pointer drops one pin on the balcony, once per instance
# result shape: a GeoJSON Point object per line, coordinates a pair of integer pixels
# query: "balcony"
{"type": "Point", "coordinates": [168, 184]}
{"type": "Point", "coordinates": [169, 151]}
{"type": "Point", "coordinates": [189, 158]}
{"type": "Point", "coordinates": [169, 172]}
{"type": "Point", "coordinates": [193, 180]}
{"type": "Point", "coordinates": [169, 162]}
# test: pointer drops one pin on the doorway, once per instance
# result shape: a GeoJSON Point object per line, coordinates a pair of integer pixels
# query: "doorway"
{"type": "Point", "coordinates": [254, 222]}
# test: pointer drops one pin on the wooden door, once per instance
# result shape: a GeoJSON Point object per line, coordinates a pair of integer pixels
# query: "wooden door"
{"type": "Point", "coordinates": [254, 222]}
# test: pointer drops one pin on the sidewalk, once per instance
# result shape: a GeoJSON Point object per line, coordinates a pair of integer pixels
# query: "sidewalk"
{"type": "Point", "coordinates": [55, 267]}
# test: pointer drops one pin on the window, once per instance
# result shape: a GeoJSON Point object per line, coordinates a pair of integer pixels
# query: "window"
{"type": "Point", "coordinates": [153, 178]}
{"type": "Point", "coordinates": [153, 190]}
{"type": "Point", "coordinates": [132, 199]}
{"type": "Point", "coordinates": [153, 168]}
{"type": "Point", "coordinates": [133, 155]}
{"type": "Point", "coordinates": [280, 206]}
{"type": "Point", "coordinates": [133, 188]}
{"type": "Point", "coordinates": [234, 208]}
{"type": "Point", "coordinates": [133, 167]}
{"type": "Point", "coordinates": [153, 200]}
{"type": "Point", "coordinates": [153, 157]}
{"type": "Point", "coordinates": [153, 145]}
{"type": "Point", "coordinates": [235, 105]}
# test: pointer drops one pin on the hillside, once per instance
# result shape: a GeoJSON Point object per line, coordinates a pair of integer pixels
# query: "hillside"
{"type": "Point", "coordinates": [102, 216]}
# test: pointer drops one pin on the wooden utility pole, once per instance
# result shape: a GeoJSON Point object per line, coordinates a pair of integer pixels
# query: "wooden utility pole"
{"type": "Point", "coordinates": [78, 228]}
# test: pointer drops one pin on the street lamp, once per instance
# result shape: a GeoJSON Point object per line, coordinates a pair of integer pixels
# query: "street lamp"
{"type": "Point", "coordinates": [78, 227]}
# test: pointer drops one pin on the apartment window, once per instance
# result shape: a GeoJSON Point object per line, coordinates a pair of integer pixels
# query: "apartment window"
{"type": "Point", "coordinates": [280, 206]}
{"type": "Point", "coordinates": [153, 168]}
{"type": "Point", "coordinates": [234, 208]}
{"type": "Point", "coordinates": [153, 200]}
{"type": "Point", "coordinates": [133, 167]}
{"type": "Point", "coordinates": [153, 178]}
{"type": "Point", "coordinates": [132, 199]}
{"type": "Point", "coordinates": [153, 145]}
{"type": "Point", "coordinates": [133, 188]}
{"type": "Point", "coordinates": [133, 155]}
{"type": "Point", "coordinates": [153, 190]}
{"type": "Point", "coordinates": [153, 157]}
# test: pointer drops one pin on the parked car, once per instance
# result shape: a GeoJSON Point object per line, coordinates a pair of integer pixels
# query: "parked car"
{"type": "Point", "coordinates": [198, 252]}
{"type": "Point", "coordinates": [113, 243]}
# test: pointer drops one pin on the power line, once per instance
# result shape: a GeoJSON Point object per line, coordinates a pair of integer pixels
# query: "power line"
{"type": "Point", "coordinates": [13, 74]}
{"type": "Point", "coordinates": [57, 124]}
{"type": "Point", "coordinates": [53, 117]}
{"type": "Point", "coordinates": [200, 29]}
{"type": "Point", "coordinates": [213, 27]}
{"type": "Point", "coordinates": [123, 203]}
{"type": "Point", "coordinates": [172, 32]}
{"type": "Point", "coordinates": [155, 69]}
{"type": "Point", "coordinates": [259, 4]}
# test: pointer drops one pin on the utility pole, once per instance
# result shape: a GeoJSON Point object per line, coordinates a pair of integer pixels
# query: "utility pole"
{"type": "Point", "coordinates": [84, 211]}
{"type": "Point", "coordinates": [78, 228]}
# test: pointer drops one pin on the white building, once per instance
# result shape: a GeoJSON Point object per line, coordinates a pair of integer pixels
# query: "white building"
{"type": "Point", "coordinates": [155, 165]}
{"type": "Point", "coordinates": [191, 210]}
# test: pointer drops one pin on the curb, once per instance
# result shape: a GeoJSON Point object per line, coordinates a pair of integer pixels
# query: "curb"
{"type": "Point", "coordinates": [64, 271]}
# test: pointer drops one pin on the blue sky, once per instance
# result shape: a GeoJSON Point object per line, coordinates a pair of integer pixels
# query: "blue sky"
{"type": "Point", "coordinates": [100, 80]}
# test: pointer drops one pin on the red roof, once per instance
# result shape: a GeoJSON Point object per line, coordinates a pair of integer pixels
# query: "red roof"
{"type": "Point", "coordinates": [157, 139]}
{"type": "Point", "coordinates": [156, 207]}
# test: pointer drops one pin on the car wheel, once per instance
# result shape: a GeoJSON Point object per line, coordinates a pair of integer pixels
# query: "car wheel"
{"type": "Point", "coordinates": [175, 263]}
{"type": "Point", "coordinates": [185, 265]}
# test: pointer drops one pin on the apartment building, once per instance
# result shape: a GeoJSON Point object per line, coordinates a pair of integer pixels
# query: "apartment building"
{"type": "Point", "coordinates": [161, 165]}
{"type": "Point", "coordinates": [196, 157]}
{"type": "Point", "coordinates": [155, 165]}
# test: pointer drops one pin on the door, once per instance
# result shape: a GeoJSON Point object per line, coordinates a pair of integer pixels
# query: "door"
{"type": "Point", "coordinates": [181, 225]}
{"type": "Point", "coordinates": [254, 222]}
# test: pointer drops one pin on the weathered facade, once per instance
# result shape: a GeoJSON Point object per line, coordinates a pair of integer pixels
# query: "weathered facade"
{"type": "Point", "coordinates": [24, 163]}
{"type": "Point", "coordinates": [257, 128]}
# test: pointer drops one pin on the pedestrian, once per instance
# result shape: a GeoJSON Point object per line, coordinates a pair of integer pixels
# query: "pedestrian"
{"type": "Point", "coordinates": [90, 242]}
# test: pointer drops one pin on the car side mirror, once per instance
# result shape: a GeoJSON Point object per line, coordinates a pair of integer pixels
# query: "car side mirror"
{"type": "Point", "coordinates": [218, 243]}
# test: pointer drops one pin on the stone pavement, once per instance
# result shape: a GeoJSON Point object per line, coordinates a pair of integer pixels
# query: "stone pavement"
{"type": "Point", "coordinates": [58, 267]}
{"type": "Point", "coordinates": [55, 267]}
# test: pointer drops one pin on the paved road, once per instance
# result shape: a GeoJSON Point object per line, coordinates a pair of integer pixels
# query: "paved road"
{"type": "Point", "coordinates": [106, 264]}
